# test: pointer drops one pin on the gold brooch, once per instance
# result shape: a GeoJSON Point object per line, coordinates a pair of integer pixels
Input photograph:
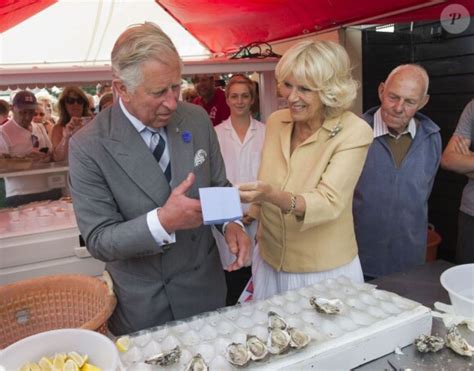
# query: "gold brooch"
{"type": "Point", "coordinates": [335, 130]}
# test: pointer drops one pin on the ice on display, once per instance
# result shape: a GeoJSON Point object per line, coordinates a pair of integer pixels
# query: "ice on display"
{"type": "Point", "coordinates": [286, 332]}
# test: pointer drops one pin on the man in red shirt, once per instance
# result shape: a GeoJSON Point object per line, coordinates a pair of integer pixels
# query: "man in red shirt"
{"type": "Point", "coordinates": [212, 99]}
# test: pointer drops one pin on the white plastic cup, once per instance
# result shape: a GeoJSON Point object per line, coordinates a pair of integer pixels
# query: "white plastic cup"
{"type": "Point", "coordinates": [14, 214]}
{"type": "Point", "coordinates": [30, 212]}
{"type": "Point", "coordinates": [458, 281]}
{"type": "Point", "coordinates": [45, 220]}
{"type": "Point", "coordinates": [17, 225]}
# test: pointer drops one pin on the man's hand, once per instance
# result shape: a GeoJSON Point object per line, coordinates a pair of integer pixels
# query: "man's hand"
{"type": "Point", "coordinates": [181, 212]}
{"type": "Point", "coordinates": [255, 191]}
{"type": "Point", "coordinates": [239, 244]}
{"type": "Point", "coordinates": [38, 156]}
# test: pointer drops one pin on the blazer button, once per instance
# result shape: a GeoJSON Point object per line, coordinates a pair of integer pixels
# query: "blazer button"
{"type": "Point", "coordinates": [167, 281]}
{"type": "Point", "coordinates": [193, 237]}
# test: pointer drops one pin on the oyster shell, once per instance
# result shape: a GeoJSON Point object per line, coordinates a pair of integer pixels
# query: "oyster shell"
{"type": "Point", "coordinates": [456, 342]}
{"type": "Point", "coordinates": [165, 358]}
{"type": "Point", "coordinates": [426, 343]}
{"type": "Point", "coordinates": [326, 306]}
{"type": "Point", "coordinates": [278, 341]}
{"type": "Point", "coordinates": [276, 321]}
{"type": "Point", "coordinates": [256, 347]}
{"type": "Point", "coordinates": [298, 338]}
{"type": "Point", "coordinates": [238, 354]}
{"type": "Point", "coordinates": [197, 363]}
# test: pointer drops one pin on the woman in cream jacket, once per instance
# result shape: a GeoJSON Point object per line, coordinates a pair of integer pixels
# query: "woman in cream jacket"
{"type": "Point", "coordinates": [312, 157]}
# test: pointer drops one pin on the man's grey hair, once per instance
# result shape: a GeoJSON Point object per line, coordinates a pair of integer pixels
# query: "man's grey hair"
{"type": "Point", "coordinates": [138, 44]}
{"type": "Point", "coordinates": [421, 70]}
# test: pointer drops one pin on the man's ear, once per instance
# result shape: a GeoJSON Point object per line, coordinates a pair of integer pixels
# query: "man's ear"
{"type": "Point", "coordinates": [121, 89]}
{"type": "Point", "coordinates": [381, 89]}
{"type": "Point", "coordinates": [424, 101]}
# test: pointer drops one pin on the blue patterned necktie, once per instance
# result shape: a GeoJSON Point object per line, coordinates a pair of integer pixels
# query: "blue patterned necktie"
{"type": "Point", "coordinates": [160, 155]}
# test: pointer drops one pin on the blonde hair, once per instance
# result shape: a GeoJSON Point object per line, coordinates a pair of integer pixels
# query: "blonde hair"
{"type": "Point", "coordinates": [322, 66]}
{"type": "Point", "coordinates": [241, 79]}
{"type": "Point", "coordinates": [138, 44]}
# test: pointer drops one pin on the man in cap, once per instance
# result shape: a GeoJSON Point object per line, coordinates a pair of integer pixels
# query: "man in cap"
{"type": "Point", "coordinates": [19, 137]}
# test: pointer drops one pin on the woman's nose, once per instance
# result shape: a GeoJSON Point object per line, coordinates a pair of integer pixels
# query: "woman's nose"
{"type": "Point", "coordinates": [293, 95]}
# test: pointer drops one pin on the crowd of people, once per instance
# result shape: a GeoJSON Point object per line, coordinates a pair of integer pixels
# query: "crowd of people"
{"type": "Point", "coordinates": [324, 192]}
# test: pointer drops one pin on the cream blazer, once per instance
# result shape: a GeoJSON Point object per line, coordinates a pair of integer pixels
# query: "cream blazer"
{"type": "Point", "coordinates": [324, 170]}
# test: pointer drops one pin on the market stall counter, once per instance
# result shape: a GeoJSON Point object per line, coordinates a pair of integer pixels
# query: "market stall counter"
{"type": "Point", "coordinates": [422, 284]}
{"type": "Point", "coordinates": [347, 323]}
{"type": "Point", "coordinates": [40, 239]}
{"type": "Point", "coordinates": [367, 326]}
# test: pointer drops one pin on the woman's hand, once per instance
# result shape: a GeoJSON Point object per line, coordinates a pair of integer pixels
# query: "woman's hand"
{"type": "Point", "coordinates": [247, 219]}
{"type": "Point", "coordinates": [72, 127]}
{"type": "Point", "coordinates": [254, 192]}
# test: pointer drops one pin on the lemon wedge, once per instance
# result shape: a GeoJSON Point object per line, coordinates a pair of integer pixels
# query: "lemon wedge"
{"type": "Point", "coordinates": [77, 358]}
{"type": "Point", "coordinates": [29, 366]}
{"type": "Point", "coordinates": [90, 367]}
{"type": "Point", "coordinates": [70, 365]}
{"type": "Point", "coordinates": [45, 364]}
{"type": "Point", "coordinates": [58, 362]}
{"type": "Point", "coordinates": [123, 343]}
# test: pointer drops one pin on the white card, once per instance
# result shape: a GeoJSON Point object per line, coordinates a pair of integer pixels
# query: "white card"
{"type": "Point", "coordinates": [220, 204]}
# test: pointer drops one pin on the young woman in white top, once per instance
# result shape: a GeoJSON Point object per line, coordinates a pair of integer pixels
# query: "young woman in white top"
{"type": "Point", "coordinates": [241, 139]}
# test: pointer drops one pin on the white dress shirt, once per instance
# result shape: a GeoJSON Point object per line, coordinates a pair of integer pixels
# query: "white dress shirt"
{"type": "Point", "coordinates": [242, 160]}
{"type": "Point", "coordinates": [154, 225]}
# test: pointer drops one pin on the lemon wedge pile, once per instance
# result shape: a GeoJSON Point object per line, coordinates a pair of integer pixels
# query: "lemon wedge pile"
{"type": "Point", "coordinates": [71, 361]}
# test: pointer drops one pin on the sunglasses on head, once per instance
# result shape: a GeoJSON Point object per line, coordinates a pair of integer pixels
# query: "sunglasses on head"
{"type": "Point", "coordinates": [70, 100]}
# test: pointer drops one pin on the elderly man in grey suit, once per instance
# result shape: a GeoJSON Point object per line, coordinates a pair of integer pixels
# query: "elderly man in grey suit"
{"type": "Point", "coordinates": [134, 177]}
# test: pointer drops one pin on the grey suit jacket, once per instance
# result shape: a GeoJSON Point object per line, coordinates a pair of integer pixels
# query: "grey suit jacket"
{"type": "Point", "coordinates": [115, 181]}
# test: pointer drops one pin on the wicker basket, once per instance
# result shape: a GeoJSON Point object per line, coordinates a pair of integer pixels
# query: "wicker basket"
{"type": "Point", "coordinates": [53, 302]}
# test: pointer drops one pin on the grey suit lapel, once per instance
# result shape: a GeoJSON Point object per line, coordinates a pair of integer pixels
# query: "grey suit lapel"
{"type": "Point", "coordinates": [181, 151]}
{"type": "Point", "coordinates": [131, 153]}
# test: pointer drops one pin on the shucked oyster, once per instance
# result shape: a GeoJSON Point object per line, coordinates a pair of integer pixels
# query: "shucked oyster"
{"type": "Point", "coordinates": [256, 347]}
{"type": "Point", "coordinates": [326, 306]}
{"type": "Point", "coordinates": [456, 342]}
{"type": "Point", "coordinates": [278, 341]}
{"type": "Point", "coordinates": [298, 338]}
{"type": "Point", "coordinates": [197, 363]}
{"type": "Point", "coordinates": [425, 343]}
{"type": "Point", "coordinates": [275, 321]}
{"type": "Point", "coordinates": [165, 358]}
{"type": "Point", "coordinates": [238, 354]}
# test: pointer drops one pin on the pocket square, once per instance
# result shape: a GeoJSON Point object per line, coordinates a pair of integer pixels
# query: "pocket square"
{"type": "Point", "coordinates": [199, 157]}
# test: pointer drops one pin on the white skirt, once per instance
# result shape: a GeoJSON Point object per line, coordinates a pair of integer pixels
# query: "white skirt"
{"type": "Point", "coordinates": [268, 282]}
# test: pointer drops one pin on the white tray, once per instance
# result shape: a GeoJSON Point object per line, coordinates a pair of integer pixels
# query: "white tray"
{"type": "Point", "coordinates": [373, 323]}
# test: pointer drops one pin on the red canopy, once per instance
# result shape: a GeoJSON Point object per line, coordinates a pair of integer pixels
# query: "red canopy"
{"type": "Point", "coordinates": [226, 25]}
{"type": "Point", "coordinates": [13, 12]}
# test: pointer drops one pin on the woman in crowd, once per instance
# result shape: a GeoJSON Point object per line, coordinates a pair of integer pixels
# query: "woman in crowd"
{"type": "Point", "coordinates": [73, 107]}
{"type": "Point", "coordinates": [241, 140]}
{"type": "Point", "coordinates": [48, 108]}
{"type": "Point", "coordinates": [312, 157]}
{"type": "Point", "coordinates": [40, 118]}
